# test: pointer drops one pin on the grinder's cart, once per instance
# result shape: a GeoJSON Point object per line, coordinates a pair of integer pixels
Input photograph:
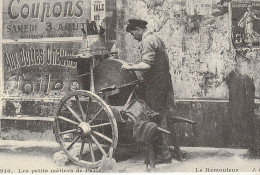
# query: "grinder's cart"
{"type": "Point", "coordinates": [86, 120]}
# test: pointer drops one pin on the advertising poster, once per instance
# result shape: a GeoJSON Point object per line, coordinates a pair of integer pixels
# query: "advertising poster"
{"type": "Point", "coordinates": [246, 24]}
{"type": "Point", "coordinates": [44, 19]}
{"type": "Point", "coordinates": [36, 69]}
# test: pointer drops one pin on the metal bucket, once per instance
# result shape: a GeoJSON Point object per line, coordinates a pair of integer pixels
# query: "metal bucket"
{"type": "Point", "coordinates": [94, 45]}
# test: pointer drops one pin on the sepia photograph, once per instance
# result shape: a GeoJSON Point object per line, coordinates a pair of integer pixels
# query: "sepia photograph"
{"type": "Point", "coordinates": [129, 86]}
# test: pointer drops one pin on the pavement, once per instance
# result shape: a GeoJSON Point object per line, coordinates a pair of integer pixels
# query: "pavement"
{"type": "Point", "coordinates": [33, 157]}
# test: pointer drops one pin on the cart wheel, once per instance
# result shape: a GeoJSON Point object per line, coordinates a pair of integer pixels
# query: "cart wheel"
{"type": "Point", "coordinates": [85, 128]}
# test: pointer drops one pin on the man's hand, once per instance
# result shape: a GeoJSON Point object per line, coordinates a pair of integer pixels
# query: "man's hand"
{"type": "Point", "coordinates": [136, 67]}
{"type": "Point", "coordinates": [126, 66]}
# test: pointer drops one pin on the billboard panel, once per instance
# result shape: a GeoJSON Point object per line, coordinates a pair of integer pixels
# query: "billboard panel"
{"type": "Point", "coordinates": [44, 19]}
{"type": "Point", "coordinates": [35, 69]}
{"type": "Point", "coordinates": [246, 24]}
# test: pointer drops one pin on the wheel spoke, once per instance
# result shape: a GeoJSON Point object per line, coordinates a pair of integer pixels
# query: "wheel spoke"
{"type": "Point", "coordinates": [73, 142]}
{"type": "Point", "coordinates": [91, 150]}
{"type": "Point", "coordinates": [68, 120]}
{"type": "Point", "coordinates": [95, 115]}
{"type": "Point", "coordinates": [99, 125]}
{"type": "Point", "coordinates": [81, 109]}
{"type": "Point", "coordinates": [73, 113]}
{"type": "Point", "coordinates": [68, 131]}
{"type": "Point", "coordinates": [81, 149]}
{"type": "Point", "coordinates": [81, 122]}
{"type": "Point", "coordinates": [98, 145]}
{"type": "Point", "coordinates": [103, 136]}
{"type": "Point", "coordinates": [88, 109]}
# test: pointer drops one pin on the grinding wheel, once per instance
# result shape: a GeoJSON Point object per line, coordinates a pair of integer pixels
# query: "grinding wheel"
{"type": "Point", "coordinates": [108, 74]}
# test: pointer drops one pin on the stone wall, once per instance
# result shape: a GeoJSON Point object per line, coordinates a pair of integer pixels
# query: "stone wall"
{"type": "Point", "coordinates": [199, 46]}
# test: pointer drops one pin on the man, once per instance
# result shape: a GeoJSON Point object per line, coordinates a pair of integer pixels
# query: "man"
{"type": "Point", "coordinates": [157, 84]}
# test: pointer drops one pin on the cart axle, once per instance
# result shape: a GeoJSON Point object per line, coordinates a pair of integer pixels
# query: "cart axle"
{"type": "Point", "coordinates": [84, 128]}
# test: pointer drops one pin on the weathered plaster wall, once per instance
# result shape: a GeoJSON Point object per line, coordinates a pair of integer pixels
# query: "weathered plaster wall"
{"type": "Point", "coordinates": [199, 47]}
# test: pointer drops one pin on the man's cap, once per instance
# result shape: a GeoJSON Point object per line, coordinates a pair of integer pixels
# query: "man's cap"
{"type": "Point", "coordinates": [133, 23]}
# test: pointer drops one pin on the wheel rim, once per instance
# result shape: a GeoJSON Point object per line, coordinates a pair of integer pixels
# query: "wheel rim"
{"type": "Point", "coordinates": [86, 117]}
